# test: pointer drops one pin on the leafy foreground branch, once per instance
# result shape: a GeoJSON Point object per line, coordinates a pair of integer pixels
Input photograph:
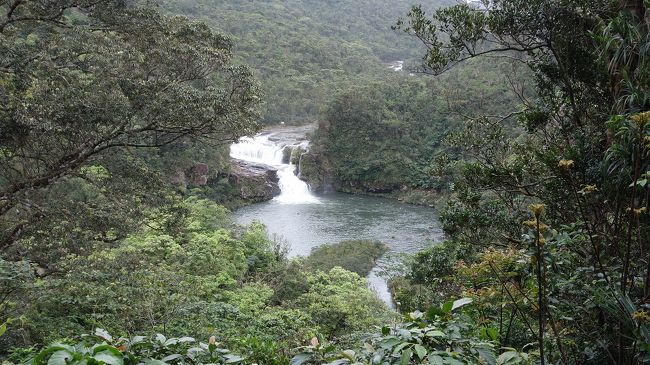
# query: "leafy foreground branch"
{"type": "Point", "coordinates": [443, 335]}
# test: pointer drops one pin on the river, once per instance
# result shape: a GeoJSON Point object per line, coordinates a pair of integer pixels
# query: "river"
{"type": "Point", "coordinates": [305, 220]}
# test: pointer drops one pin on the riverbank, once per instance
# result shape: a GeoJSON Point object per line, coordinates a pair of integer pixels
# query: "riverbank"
{"type": "Point", "coordinates": [427, 198]}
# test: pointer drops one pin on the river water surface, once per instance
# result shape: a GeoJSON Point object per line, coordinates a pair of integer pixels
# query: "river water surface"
{"type": "Point", "coordinates": [305, 220]}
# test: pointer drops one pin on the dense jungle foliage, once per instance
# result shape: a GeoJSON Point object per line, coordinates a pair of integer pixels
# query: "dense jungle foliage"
{"type": "Point", "coordinates": [546, 170]}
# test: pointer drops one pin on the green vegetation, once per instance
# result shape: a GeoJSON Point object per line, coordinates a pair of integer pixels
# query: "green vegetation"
{"type": "Point", "coordinates": [358, 256]}
{"type": "Point", "coordinates": [108, 219]}
{"type": "Point", "coordinates": [303, 52]}
{"type": "Point", "coordinates": [389, 137]}
{"type": "Point", "coordinates": [200, 276]}
{"type": "Point", "coordinates": [547, 228]}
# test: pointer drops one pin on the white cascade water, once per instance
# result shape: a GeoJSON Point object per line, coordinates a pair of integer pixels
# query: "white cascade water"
{"type": "Point", "coordinates": [396, 66]}
{"type": "Point", "coordinates": [260, 149]}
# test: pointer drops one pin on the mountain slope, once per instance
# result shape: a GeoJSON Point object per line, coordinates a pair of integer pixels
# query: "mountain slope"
{"type": "Point", "coordinates": [304, 51]}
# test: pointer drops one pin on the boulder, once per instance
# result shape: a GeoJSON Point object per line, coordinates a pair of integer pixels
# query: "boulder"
{"type": "Point", "coordinates": [255, 182]}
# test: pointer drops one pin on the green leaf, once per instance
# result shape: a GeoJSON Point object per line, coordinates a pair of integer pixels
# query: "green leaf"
{"type": "Point", "coordinates": [460, 303]}
{"type": "Point", "coordinates": [420, 351]}
{"type": "Point", "coordinates": [231, 359]}
{"type": "Point", "coordinates": [434, 311]}
{"type": "Point", "coordinates": [385, 331]}
{"type": "Point", "coordinates": [137, 340]}
{"type": "Point", "coordinates": [107, 348]}
{"type": "Point", "coordinates": [338, 362]}
{"type": "Point", "coordinates": [507, 357]}
{"type": "Point", "coordinates": [435, 360]}
{"type": "Point", "coordinates": [487, 355]}
{"type": "Point", "coordinates": [155, 362]}
{"type": "Point", "coordinates": [447, 307]}
{"type": "Point", "coordinates": [493, 333]}
{"type": "Point", "coordinates": [3, 329]}
{"type": "Point", "coordinates": [406, 357]}
{"type": "Point", "coordinates": [389, 342]}
{"type": "Point", "coordinates": [349, 354]}
{"type": "Point", "coordinates": [300, 359]}
{"type": "Point", "coordinates": [161, 338]}
{"type": "Point", "coordinates": [171, 357]}
{"type": "Point", "coordinates": [60, 357]}
{"type": "Point", "coordinates": [400, 347]}
{"type": "Point", "coordinates": [103, 334]}
{"type": "Point", "coordinates": [405, 333]}
{"type": "Point", "coordinates": [108, 358]}
{"type": "Point", "coordinates": [435, 333]}
{"type": "Point", "coordinates": [44, 353]}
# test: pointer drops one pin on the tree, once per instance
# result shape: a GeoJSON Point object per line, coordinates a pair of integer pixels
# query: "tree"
{"type": "Point", "coordinates": [583, 155]}
{"type": "Point", "coordinates": [86, 82]}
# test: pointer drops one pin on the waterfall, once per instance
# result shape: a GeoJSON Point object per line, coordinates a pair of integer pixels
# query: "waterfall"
{"type": "Point", "coordinates": [396, 66]}
{"type": "Point", "coordinates": [261, 149]}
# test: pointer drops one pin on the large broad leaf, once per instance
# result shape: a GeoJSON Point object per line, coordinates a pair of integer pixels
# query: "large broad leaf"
{"type": "Point", "coordinates": [103, 334]}
{"type": "Point", "coordinates": [435, 360]}
{"type": "Point", "coordinates": [435, 333]}
{"type": "Point", "coordinates": [338, 362]}
{"type": "Point", "coordinates": [389, 343]}
{"type": "Point", "coordinates": [406, 357]}
{"type": "Point", "coordinates": [349, 354]}
{"type": "Point", "coordinates": [108, 358]}
{"type": "Point", "coordinates": [231, 359]}
{"type": "Point", "coordinates": [400, 347]}
{"type": "Point", "coordinates": [60, 357]}
{"type": "Point", "coordinates": [487, 355]}
{"type": "Point", "coordinates": [461, 302]}
{"type": "Point", "coordinates": [405, 333]}
{"type": "Point", "coordinates": [508, 357]}
{"type": "Point", "coordinates": [171, 357]}
{"type": "Point", "coordinates": [44, 353]}
{"type": "Point", "coordinates": [420, 351]}
{"type": "Point", "coordinates": [107, 348]}
{"type": "Point", "coordinates": [137, 340]}
{"type": "Point", "coordinates": [155, 362]}
{"type": "Point", "coordinates": [300, 359]}
{"type": "Point", "coordinates": [161, 338]}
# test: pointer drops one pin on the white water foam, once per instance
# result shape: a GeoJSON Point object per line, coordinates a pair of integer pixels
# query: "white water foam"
{"type": "Point", "coordinates": [260, 149]}
{"type": "Point", "coordinates": [396, 66]}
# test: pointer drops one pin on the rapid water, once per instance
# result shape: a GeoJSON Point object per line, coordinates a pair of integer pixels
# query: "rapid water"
{"type": "Point", "coordinates": [305, 221]}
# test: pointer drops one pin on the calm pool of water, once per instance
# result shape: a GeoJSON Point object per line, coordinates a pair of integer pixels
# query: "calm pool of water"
{"type": "Point", "coordinates": [404, 228]}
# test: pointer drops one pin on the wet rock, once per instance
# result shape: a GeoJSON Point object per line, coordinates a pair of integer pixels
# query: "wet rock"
{"type": "Point", "coordinates": [255, 182]}
{"type": "Point", "coordinates": [315, 170]}
{"type": "Point", "coordinates": [286, 154]}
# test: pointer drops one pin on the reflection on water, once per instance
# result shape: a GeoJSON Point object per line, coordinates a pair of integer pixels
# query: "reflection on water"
{"type": "Point", "coordinates": [403, 227]}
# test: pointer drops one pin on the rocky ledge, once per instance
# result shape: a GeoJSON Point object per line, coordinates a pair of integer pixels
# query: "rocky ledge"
{"type": "Point", "coordinates": [255, 182]}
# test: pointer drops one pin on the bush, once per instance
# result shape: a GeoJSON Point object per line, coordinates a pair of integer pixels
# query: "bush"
{"type": "Point", "coordinates": [358, 256]}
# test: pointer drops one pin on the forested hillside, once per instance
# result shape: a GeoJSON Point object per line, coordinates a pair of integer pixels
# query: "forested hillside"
{"type": "Point", "coordinates": [392, 137]}
{"type": "Point", "coordinates": [303, 52]}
